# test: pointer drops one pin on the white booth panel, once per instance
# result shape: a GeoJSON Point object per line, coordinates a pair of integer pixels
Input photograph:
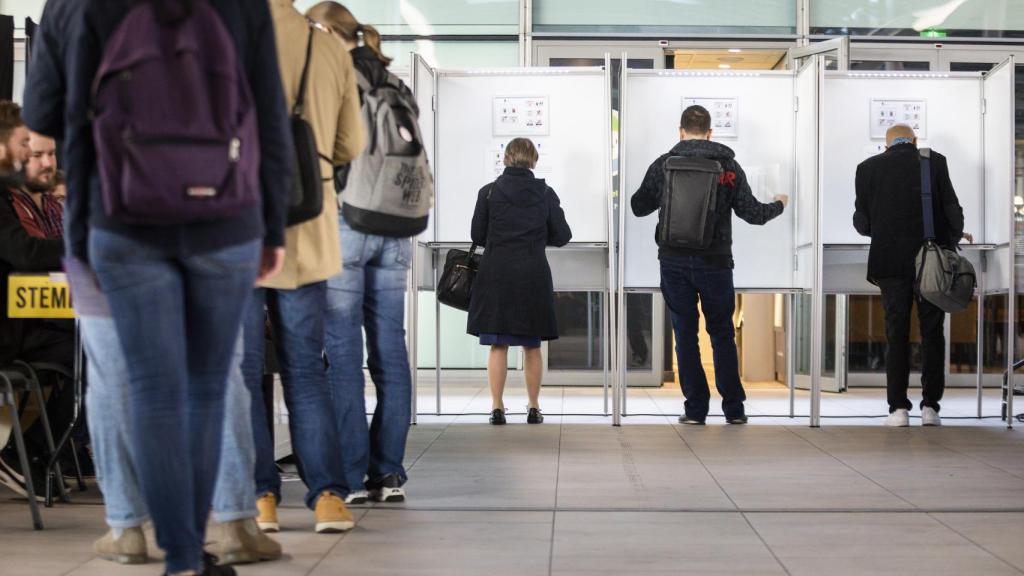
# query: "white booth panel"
{"type": "Point", "coordinates": [763, 143]}
{"type": "Point", "coordinates": [805, 201]}
{"type": "Point", "coordinates": [999, 149]}
{"type": "Point", "coordinates": [952, 125]}
{"type": "Point", "coordinates": [422, 82]}
{"type": "Point", "coordinates": [997, 271]}
{"type": "Point", "coordinates": [573, 138]}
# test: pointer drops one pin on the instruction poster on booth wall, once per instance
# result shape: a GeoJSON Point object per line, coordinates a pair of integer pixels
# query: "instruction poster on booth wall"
{"type": "Point", "coordinates": [888, 113]}
{"type": "Point", "coordinates": [724, 114]}
{"type": "Point", "coordinates": [521, 116]}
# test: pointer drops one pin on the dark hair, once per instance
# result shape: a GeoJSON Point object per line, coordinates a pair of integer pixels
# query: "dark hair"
{"type": "Point", "coordinates": [10, 120]}
{"type": "Point", "coordinates": [696, 120]}
{"type": "Point", "coordinates": [172, 12]}
{"type": "Point", "coordinates": [340, 20]}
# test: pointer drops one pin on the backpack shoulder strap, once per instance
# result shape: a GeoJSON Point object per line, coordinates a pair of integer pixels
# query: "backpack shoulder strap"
{"type": "Point", "coordinates": [927, 211]}
{"type": "Point", "coordinates": [300, 100]}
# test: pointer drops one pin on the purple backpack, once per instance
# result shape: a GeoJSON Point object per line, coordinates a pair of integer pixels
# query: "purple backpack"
{"type": "Point", "coordinates": [174, 122]}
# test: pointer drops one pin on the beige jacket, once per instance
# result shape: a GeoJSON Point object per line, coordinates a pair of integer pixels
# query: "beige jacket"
{"type": "Point", "coordinates": [332, 108]}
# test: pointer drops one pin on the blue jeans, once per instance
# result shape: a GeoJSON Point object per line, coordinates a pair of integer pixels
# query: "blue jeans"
{"type": "Point", "coordinates": [684, 281]}
{"type": "Point", "coordinates": [177, 318]}
{"type": "Point", "coordinates": [370, 293]}
{"type": "Point", "coordinates": [108, 403]}
{"type": "Point", "coordinates": [297, 318]}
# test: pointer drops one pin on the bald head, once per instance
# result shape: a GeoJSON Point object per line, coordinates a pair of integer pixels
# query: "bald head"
{"type": "Point", "coordinates": [900, 131]}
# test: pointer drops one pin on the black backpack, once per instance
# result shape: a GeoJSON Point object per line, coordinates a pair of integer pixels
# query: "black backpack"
{"type": "Point", "coordinates": [306, 197]}
{"type": "Point", "coordinates": [688, 204]}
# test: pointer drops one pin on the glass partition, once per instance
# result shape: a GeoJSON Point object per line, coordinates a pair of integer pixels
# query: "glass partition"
{"type": "Point", "coordinates": [456, 53]}
{"type": "Point", "coordinates": [434, 17]}
{"type": "Point", "coordinates": [760, 17]}
{"type": "Point", "coordinates": [922, 18]}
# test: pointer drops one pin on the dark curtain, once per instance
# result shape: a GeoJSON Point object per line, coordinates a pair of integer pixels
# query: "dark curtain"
{"type": "Point", "coordinates": [6, 57]}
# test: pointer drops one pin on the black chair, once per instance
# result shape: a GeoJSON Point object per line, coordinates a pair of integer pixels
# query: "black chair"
{"type": "Point", "coordinates": [14, 379]}
{"type": "Point", "coordinates": [53, 472]}
{"type": "Point", "coordinates": [1018, 391]}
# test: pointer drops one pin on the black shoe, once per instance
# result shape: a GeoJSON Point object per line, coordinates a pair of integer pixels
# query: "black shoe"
{"type": "Point", "coordinates": [737, 420]}
{"type": "Point", "coordinates": [497, 417]}
{"type": "Point", "coordinates": [684, 419]}
{"type": "Point", "coordinates": [389, 489]}
{"type": "Point", "coordinates": [12, 477]}
{"type": "Point", "coordinates": [534, 416]}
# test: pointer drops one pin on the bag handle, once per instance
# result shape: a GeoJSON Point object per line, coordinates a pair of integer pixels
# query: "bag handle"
{"type": "Point", "coordinates": [927, 202]}
{"type": "Point", "coordinates": [300, 100]}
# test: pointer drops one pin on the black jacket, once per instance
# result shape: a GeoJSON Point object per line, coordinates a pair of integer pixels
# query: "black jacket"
{"type": "Point", "coordinates": [888, 209]}
{"type": "Point", "coordinates": [733, 195]}
{"type": "Point", "coordinates": [65, 56]}
{"type": "Point", "coordinates": [19, 252]}
{"type": "Point", "coordinates": [515, 219]}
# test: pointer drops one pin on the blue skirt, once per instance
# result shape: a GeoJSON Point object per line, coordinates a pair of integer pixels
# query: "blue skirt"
{"type": "Point", "coordinates": [509, 340]}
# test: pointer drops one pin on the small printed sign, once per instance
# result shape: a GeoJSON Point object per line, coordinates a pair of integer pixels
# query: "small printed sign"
{"type": "Point", "coordinates": [39, 296]}
{"type": "Point", "coordinates": [724, 114]}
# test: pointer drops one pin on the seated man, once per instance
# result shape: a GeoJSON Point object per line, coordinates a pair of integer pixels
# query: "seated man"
{"type": "Point", "coordinates": [40, 212]}
{"type": "Point", "coordinates": [26, 249]}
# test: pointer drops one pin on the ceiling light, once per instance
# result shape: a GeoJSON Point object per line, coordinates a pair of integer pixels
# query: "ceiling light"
{"type": "Point", "coordinates": [735, 50]}
{"type": "Point", "coordinates": [724, 66]}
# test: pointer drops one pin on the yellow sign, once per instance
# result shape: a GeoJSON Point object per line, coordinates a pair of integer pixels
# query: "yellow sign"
{"type": "Point", "coordinates": [38, 296]}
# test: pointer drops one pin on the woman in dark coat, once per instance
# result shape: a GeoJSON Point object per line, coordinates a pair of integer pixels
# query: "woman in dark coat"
{"type": "Point", "coordinates": [513, 299]}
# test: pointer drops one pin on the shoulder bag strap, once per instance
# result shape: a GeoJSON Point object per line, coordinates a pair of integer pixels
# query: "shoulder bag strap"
{"type": "Point", "coordinates": [300, 100]}
{"type": "Point", "coordinates": [927, 210]}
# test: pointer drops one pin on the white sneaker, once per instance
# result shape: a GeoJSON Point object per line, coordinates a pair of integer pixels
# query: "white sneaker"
{"type": "Point", "coordinates": [357, 497]}
{"type": "Point", "coordinates": [929, 417]}
{"type": "Point", "coordinates": [898, 419]}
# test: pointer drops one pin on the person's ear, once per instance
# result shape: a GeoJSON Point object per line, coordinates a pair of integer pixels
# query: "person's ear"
{"type": "Point", "coordinates": [915, 141]}
{"type": "Point", "coordinates": [709, 134]}
{"type": "Point", "coordinates": [682, 134]}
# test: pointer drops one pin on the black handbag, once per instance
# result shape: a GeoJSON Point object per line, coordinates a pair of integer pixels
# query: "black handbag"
{"type": "Point", "coordinates": [306, 197]}
{"type": "Point", "coordinates": [456, 284]}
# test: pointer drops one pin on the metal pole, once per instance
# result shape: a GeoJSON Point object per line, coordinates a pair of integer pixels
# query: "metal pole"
{"type": "Point", "coordinates": [790, 352]}
{"type": "Point", "coordinates": [817, 293]}
{"type": "Point", "coordinates": [1011, 296]}
{"type": "Point", "coordinates": [980, 360]}
{"type": "Point", "coordinates": [617, 251]}
{"type": "Point", "coordinates": [437, 334]}
{"type": "Point", "coordinates": [590, 330]}
{"type": "Point", "coordinates": [412, 337]}
{"type": "Point", "coordinates": [606, 343]}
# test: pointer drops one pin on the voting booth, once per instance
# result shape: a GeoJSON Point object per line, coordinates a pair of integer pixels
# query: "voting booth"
{"type": "Point", "coordinates": [468, 117]}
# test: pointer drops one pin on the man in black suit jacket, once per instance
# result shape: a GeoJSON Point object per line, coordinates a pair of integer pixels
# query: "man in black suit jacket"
{"type": "Point", "coordinates": [889, 210]}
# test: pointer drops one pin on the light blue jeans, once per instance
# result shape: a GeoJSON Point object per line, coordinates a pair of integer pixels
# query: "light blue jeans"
{"type": "Point", "coordinates": [369, 294]}
{"type": "Point", "coordinates": [108, 400]}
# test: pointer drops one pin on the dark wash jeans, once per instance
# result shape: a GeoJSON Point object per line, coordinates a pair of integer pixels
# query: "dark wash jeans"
{"type": "Point", "coordinates": [178, 319]}
{"type": "Point", "coordinates": [685, 280]}
{"type": "Point", "coordinates": [297, 318]}
{"type": "Point", "coordinates": [898, 298]}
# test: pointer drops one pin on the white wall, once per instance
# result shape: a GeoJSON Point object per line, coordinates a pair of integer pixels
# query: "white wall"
{"type": "Point", "coordinates": [21, 9]}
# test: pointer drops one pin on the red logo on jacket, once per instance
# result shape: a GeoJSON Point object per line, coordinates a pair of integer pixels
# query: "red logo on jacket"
{"type": "Point", "coordinates": [727, 179]}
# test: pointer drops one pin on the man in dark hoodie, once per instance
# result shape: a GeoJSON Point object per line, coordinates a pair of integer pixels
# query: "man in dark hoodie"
{"type": "Point", "coordinates": [689, 275]}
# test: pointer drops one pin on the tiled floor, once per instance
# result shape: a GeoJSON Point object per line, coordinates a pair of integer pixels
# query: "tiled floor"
{"type": "Point", "coordinates": [578, 496]}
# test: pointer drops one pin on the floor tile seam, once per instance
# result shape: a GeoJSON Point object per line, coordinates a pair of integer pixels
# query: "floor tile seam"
{"type": "Point", "coordinates": [705, 467]}
{"type": "Point", "coordinates": [976, 544]}
{"type": "Point", "coordinates": [558, 477]}
{"type": "Point", "coordinates": [687, 510]}
{"type": "Point", "coordinates": [974, 458]}
{"type": "Point", "coordinates": [430, 445]}
{"type": "Point", "coordinates": [852, 468]}
{"type": "Point", "coordinates": [766, 545]}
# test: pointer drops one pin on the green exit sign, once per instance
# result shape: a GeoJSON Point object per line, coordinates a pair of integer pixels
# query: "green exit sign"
{"type": "Point", "coordinates": [932, 33]}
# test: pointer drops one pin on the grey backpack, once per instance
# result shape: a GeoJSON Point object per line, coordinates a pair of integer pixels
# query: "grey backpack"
{"type": "Point", "coordinates": [689, 202]}
{"type": "Point", "coordinates": [944, 277]}
{"type": "Point", "coordinates": [390, 189]}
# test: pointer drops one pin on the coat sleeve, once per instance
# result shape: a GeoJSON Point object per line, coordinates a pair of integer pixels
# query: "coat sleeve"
{"type": "Point", "coordinates": [481, 216]}
{"type": "Point", "coordinates": [747, 207]}
{"type": "Point", "coordinates": [45, 84]}
{"type": "Point", "coordinates": [559, 233]}
{"type": "Point", "coordinates": [26, 253]}
{"type": "Point", "coordinates": [647, 199]}
{"type": "Point", "coordinates": [350, 138]}
{"type": "Point", "coordinates": [272, 112]}
{"type": "Point", "coordinates": [862, 211]}
{"type": "Point", "coordinates": [950, 203]}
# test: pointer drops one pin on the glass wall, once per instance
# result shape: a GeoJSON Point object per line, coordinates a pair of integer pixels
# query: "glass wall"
{"type": "Point", "coordinates": [434, 17]}
{"type": "Point", "coordinates": [922, 18]}
{"type": "Point", "coordinates": [735, 17]}
{"type": "Point", "coordinates": [454, 53]}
